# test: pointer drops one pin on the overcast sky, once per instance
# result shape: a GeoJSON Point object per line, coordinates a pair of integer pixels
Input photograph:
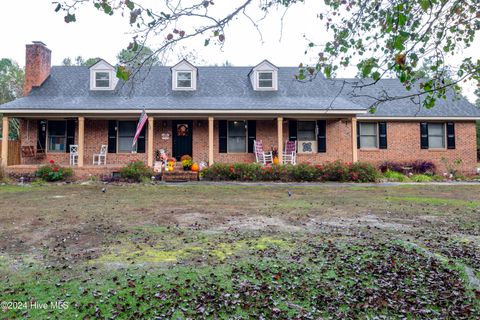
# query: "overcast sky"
{"type": "Point", "coordinates": [98, 35]}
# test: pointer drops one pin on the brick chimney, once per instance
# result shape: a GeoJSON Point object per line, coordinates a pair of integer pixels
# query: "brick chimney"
{"type": "Point", "coordinates": [38, 60]}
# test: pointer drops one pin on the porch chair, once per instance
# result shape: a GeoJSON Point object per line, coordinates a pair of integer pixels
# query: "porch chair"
{"type": "Point", "coordinates": [290, 153]}
{"type": "Point", "coordinates": [73, 155]}
{"type": "Point", "coordinates": [101, 158]}
{"type": "Point", "coordinates": [260, 155]}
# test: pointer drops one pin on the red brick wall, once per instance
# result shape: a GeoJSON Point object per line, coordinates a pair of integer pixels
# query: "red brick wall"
{"type": "Point", "coordinates": [37, 66]}
{"type": "Point", "coordinates": [404, 145]}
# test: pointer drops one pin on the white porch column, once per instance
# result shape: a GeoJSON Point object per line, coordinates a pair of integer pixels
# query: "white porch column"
{"type": "Point", "coordinates": [150, 142]}
{"type": "Point", "coordinates": [210, 140]}
{"type": "Point", "coordinates": [5, 142]}
{"type": "Point", "coordinates": [280, 139]}
{"type": "Point", "coordinates": [354, 139]}
{"type": "Point", "coordinates": [81, 140]}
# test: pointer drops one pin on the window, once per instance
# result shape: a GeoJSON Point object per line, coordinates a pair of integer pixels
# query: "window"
{"type": "Point", "coordinates": [184, 79]}
{"type": "Point", "coordinates": [57, 136]}
{"type": "Point", "coordinates": [265, 79]}
{"type": "Point", "coordinates": [368, 135]}
{"type": "Point", "coordinates": [306, 136]}
{"type": "Point", "coordinates": [436, 135]}
{"type": "Point", "coordinates": [126, 133]}
{"type": "Point", "coordinates": [102, 79]}
{"type": "Point", "coordinates": [237, 136]}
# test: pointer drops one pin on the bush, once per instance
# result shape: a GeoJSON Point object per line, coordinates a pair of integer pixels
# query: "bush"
{"type": "Point", "coordinates": [53, 172]}
{"type": "Point", "coordinates": [136, 171]}
{"type": "Point", "coordinates": [363, 172]}
{"type": "Point", "coordinates": [330, 171]}
{"type": "Point", "coordinates": [394, 176]}
{"type": "Point", "coordinates": [421, 178]}
{"type": "Point", "coordinates": [417, 167]}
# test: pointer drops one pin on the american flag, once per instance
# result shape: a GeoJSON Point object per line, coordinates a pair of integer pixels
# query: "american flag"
{"type": "Point", "coordinates": [141, 122]}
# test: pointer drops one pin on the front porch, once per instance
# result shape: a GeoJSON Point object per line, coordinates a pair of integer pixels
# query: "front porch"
{"type": "Point", "coordinates": [207, 139]}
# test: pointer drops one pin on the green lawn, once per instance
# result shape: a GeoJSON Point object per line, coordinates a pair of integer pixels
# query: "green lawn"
{"type": "Point", "coordinates": [208, 251]}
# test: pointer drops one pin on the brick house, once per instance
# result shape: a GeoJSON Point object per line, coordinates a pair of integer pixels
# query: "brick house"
{"type": "Point", "coordinates": [215, 113]}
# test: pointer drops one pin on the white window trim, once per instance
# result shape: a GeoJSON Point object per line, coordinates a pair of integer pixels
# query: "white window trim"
{"type": "Point", "coordinates": [377, 136]}
{"type": "Point", "coordinates": [444, 126]}
{"type": "Point", "coordinates": [246, 137]}
{"type": "Point", "coordinates": [193, 83]}
{"type": "Point", "coordinates": [314, 142]}
{"type": "Point", "coordinates": [260, 80]}
{"type": "Point", "coordinates": [93, 82]}
{"type": "Point", "coordinates": [48, 137]}
{"type": "Point", "coordinates": [274, 86]}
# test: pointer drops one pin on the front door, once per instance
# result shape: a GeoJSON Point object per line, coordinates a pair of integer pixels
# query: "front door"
{"type": "Point", "coordinates": [182, 131]}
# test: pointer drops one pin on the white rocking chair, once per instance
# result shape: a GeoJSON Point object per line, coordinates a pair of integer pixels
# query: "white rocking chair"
{"type": "Point", "coordinates": [73, 155]}
{"type": "Point", "coordinates": [101, 158]}
{"type": "Point", "coordinates": [290, 153]}
{"type": "Point", "coordinates": [260, 155]}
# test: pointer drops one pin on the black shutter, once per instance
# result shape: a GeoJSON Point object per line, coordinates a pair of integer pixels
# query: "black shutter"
{"type": "Point", "coordinates": [382, 135]}
{"type": "Point", "coordinates": [252, 134]}
{"type": "Point", "coordinates": [322, 136]}
{"type": "Point", "coordinates": [112, 136]}
{"type": "Point", "coordinates": [423, 135]}
{"type": "Point", "coordinates": [70, 134]}
{"type": "Point", "coordinates": [141, 140]}
{"type": "Point", "coordinates": [358, 135]}
{"type": "Point", "coordinates": [292, 130]}
{"type": "Point", "coordinates": [222, 136]}
{"type": "Point", "coordinates": [450, 135]}
{"type": "Point", "coordinates": [41, 135]}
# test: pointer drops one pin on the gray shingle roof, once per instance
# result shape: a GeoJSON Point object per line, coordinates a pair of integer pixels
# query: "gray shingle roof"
{"type": "Point", "coordinates": [220, 88]}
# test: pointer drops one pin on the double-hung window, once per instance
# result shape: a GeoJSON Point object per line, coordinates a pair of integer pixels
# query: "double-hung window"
{"type": "Point", "coordinates": [126, 133]}
{"type": "Point", "coordinates": [436, 135]}
{"type": "Point", "coordinates": [184, 79]}
{"type": "Point", "coordinates": [265, 79]}
{"type": "Point", "coordinates": [368, 132]}
{"type": "Point", "coordinates": [57, 136]}
{"type": "Point", "coordinates": [237, 136]}
{"type": "Point", "coordinates": [102, 79]}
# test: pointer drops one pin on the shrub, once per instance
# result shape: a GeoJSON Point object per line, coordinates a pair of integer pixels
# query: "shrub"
{"type": "Point", "coordinates": [422, 167]}
{"type": "Point", "coordinates": [391, 166]}
{"type": "Point", "coordinates": [417, 167]}
{"type": "Point", "coordinates": [331, 171]}
{"type": "Point", "coordinates": [421, 178]}
{"type": "Point", "coordinates": [394, 176]}
{"type": "Point", "coordinates": [303, 172]}
{"type": "Point", "coordinates": [53, 172]}
{"type": "Point", "coordinates": [136, 171]}
{"type": "Point", "coordinates": [363, 172]}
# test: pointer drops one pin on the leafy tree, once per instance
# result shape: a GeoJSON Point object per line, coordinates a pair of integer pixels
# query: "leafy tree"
{"type": "Point", "coordinates": [383, 38]}
{"type": "Point", "coordinates": [11, 87]}
{"type": "Point", "coordinates": [79, 61]}
{"type": "Point", "coordinates": [137, 57]}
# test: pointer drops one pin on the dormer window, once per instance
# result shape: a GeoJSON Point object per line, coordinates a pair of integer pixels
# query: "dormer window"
{"type": "Point", "coordinates": [102, 76]}
{"type": "Point", "coordinates": [184, 76]}
{"type": "Point", "coordinates": [184, 79]}
{"type": "Point", "coordinates": [265, 80]}
{"type": "Point", "coordinates": [264, 77]}
{"type": "Point", "coordinates": [102, 79]}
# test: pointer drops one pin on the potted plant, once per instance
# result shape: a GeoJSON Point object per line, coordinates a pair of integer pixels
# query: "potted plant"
{"type": "Point", "coordinates": [187, 162]}
{"type": "Point", "coordinates": [275, 156]}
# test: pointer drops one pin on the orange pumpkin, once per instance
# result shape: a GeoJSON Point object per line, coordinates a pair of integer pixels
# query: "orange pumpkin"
{"type": "Point", "coordinates": [276, 160]}
{"type": "Point", "coordinates": [194, 167]}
